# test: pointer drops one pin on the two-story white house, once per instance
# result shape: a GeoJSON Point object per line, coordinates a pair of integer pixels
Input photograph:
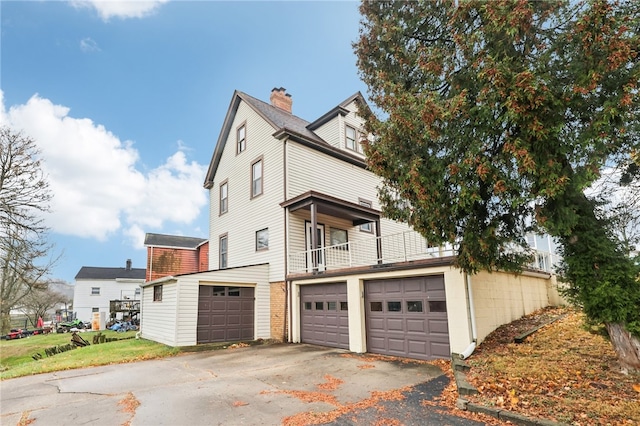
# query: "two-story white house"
{"type": "Point", "coordinates": [95, 287]}
{"type": "Point", "coordinates": [299, 250]}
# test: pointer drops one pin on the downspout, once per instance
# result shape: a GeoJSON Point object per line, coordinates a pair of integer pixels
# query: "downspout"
{"type": "Point", "coordinates": [151, 264]}
{"type": "Point", "coordinates": [287, 284]}
{"type": "Point", "coordinates": [472, 315]}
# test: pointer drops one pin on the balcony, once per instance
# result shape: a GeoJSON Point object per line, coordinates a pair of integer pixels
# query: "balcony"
{"type": "Point", "coordinates": [397, 248]}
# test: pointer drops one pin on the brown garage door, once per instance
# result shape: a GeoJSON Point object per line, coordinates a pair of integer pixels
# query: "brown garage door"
{"type": "Point", "coordinates": [324, 315]}
{"type": "Point", "coordinates": [407, 317]}
{"type": "Point", "coordinates": [225, 314]}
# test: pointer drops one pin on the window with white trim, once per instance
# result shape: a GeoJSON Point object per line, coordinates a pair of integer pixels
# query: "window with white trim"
{"type": "Point", "coordinates": [95, 291]}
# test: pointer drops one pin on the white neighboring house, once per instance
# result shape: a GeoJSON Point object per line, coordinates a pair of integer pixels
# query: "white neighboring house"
{"type": "Point", "coordinates": [299, 251]}
{"type": "Point", "coordinates": [95, 287]}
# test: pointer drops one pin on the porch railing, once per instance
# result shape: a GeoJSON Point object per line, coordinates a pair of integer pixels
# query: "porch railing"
{"type": "Point", "coordinates": [402, 247]}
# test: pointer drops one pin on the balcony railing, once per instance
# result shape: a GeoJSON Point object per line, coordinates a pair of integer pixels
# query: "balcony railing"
{"type": "Point", "coordinates": [402, 247]}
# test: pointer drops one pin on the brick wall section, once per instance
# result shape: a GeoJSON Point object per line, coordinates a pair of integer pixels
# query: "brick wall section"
{"type": "Point", "coordinates": [203, 257]}
{"type": "Point", "coordinates": [162, 262]}
{"type": "Point", "coordinates": [278, 312]}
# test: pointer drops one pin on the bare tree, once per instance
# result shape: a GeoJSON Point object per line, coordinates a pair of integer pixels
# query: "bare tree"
{"type": "Point", "coordinates": [24, 198]}
{"type": "Point", "coordinates": [40, 302]}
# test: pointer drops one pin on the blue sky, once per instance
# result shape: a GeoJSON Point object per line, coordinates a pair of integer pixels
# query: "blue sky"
{"type": "Point", "coordinates": [126, 101]}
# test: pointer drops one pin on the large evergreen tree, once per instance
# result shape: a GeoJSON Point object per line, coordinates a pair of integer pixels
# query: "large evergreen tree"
{"type": "Point", "coordinates": [494, 117]}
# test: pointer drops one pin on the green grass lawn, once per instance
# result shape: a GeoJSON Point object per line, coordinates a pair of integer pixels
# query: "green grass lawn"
{"type": "Point", "coordinates": [16, 356]}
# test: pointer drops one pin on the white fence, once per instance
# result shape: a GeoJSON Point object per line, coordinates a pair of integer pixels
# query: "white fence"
{"type": "Point", "coordinates": [402, 247]}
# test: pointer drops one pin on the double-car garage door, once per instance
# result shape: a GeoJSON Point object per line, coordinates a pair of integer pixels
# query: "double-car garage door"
{"type": "Point", "coordinates": [404, 317]}
{"type": "Point", "coordinates": [225, 314]}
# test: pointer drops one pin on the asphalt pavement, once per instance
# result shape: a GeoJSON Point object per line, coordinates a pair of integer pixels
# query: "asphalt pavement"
{"type": "Point", "coordinates": [258, 385]}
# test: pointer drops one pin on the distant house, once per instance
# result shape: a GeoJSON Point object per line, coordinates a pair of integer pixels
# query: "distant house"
{"type": "Point", "coordinates": [95, 287]}
{"type": "Point", "coordinates": [299, 250]}
{"type": "Point", "coordinates": [174, 255]}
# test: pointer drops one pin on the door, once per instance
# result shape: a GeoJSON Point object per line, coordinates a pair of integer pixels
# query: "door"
{"type": "Point", "coordinates": [225, 314]}
{"type": "Point", "coordinates": [318, 253]}
{"type": "Point", "coordinates": [324, 315]}
{"type": "Point", "coordinates": [407, 317]}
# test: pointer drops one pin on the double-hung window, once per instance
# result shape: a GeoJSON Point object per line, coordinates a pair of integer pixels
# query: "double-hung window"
{"type": "Point", "coordinates": [241, 138]}
{"type": "Point", "coordinates": [257, 180]}
{"type": "Point", "coordinates": [224, 248]}
{"type": "Point", "coordinates": [224, 197]}
{"type": "Point", "coordinates": [351, 136]}
{"type": "Point", "coordinates": [95, 291]}
{"type": "Point", "coordinates": [157, 293]}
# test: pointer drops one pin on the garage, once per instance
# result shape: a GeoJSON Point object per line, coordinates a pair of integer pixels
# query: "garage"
{"type": "Point", "coordinates": [225, 314]}
{"type": "Point", "coordinates": [324, 315]}
{"type": "Point", "coordinates": [407, 317]}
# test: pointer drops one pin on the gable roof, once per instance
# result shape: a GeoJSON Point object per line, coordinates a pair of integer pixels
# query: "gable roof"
{"type": "Point", "coordinates": [176, 241]}
{"type": "Point", "coordinates": [97, 273]}
{"type": "Point", "coordinates": [285, 124]}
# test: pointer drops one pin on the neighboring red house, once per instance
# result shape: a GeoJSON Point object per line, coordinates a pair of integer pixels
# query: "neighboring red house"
{"type": "Point", "coordinates": [174, 255]}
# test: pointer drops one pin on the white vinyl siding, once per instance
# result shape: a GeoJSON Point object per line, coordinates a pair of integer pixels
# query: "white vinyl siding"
{"type": "Point", "coordinates": [330, 131]}
{"type": "Point", "coordinates": [84, 301]}
{"type": "Point", "coordinates": [247, 215]}
{"type": "Point", "coordinates": [157, 321]}
{"type": "Point", "coordinates": [174, 320]}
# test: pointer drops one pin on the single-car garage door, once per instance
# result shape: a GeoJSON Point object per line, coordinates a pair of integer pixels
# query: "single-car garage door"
{"type": "Point", "coordinates": [407, 317]}
{"type": "Point", "coordinates": [225, 314]}
{"type": "Point", "coordinates": [324, 315]}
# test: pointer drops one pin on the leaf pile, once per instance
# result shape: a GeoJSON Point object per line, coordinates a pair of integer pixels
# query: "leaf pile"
{"type": "Point", "coordinates": [563, 372]}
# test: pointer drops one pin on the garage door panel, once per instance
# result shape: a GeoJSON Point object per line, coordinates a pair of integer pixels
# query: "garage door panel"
{"type": "Point", "coordinates": [322, 320]}
{"type": "Point", "coordinates": [225, 314]}
{"type": "Point", "coordinates": [407, 317]}
{"type": "Point", "coordinates": [416, 325]}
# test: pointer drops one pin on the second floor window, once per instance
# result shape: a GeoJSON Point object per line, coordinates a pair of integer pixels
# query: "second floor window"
{"type": "Point", "coordinates": [224, 197]}
{"type": "Point", "coordinates": [352, 138]}
{"type": "Point", "coordinates": [262, 239]}
{"type": "Point", "coordinates": [223, 251]}
{"type": "Point", "coordinates": [366, 227]}
{"type": "Point", "coordinates": [95, 291]}
{"type": "Point", "coordinates": [241, 137]}
{"type": "Point", "coordinates": [256, 178]}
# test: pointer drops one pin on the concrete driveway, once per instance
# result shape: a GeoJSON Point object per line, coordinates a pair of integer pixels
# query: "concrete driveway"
{"type": "Point", "coordinates": [259, 385]}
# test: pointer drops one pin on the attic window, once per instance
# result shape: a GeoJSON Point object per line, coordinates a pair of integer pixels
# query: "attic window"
{"type": "Point", "coordinates": [351, 136]}
{"type": "Point", "coordinates": [241, 137]}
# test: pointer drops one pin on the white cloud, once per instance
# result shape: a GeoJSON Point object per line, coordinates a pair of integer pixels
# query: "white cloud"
{"type": "Point", "coordinates": [89, 45]}
{"type": "Point", "coordinates": [108, 9]}
{"type": "Point", "coordinates": [98, 188]}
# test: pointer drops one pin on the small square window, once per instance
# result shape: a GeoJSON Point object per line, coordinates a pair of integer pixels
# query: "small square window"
{"type": "Point", "coordinates": [262, 239]}
{"type": "Point", "coordinates": [95, 291]}
{"type": "Point", "coordinates": [233, 291]}
{"type": "Point", "coordinates": [394, 307]}
{"type": "Point", "coordinates": [95, 309]}
{"type": "Point", "coordinates": [319, 306]}
{"type": "Point", "coordinates": [307, 306]}
{"type": "Point", "coordinates": [344, 306]}
{"type": "Point", "coordinates": [437, 306]}
{"type": "Point", "coordinates": [414, 306]}
{"type": "Point", "coordinates": [218, 290]}
{"type": "Point", "coordinates": [157, 293]}
{"type": "Point", "coordinates": [376, 306]}
{"type": "Point", "coordinates": [332, 306]}
{"type": "Point", "coordinates": [338, 238]}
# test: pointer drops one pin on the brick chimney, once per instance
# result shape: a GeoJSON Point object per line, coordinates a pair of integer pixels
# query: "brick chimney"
{"type": "Point", "coordinates": [281, 99]}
